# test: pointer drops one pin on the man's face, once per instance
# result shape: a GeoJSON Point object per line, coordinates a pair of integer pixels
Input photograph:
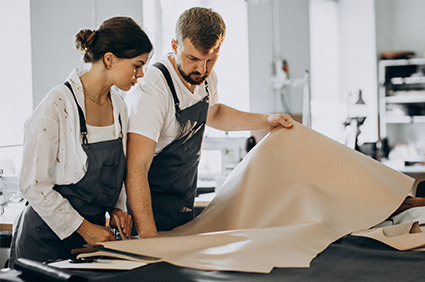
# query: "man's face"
{"type": "Point", "coordinates": [194, 66]}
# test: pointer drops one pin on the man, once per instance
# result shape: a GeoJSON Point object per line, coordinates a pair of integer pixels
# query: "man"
{"type": "Point", "coordinates": [167, 120]}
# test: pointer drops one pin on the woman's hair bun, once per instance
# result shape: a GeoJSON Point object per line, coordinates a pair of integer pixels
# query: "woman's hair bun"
{"type": "Point", "coordinates": [84, 39]}
{"type": "Point", "coordinates": [121, 36]}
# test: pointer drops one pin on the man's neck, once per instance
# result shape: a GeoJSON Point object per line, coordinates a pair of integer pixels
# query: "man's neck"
{"type": "Point", "coordinates": [190, 87]}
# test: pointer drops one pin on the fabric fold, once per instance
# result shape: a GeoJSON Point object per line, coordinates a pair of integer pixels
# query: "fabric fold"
{"type": "Point", "coordinates": [296, 192]}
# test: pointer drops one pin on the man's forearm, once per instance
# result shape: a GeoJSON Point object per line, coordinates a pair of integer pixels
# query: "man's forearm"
{"type": "Point", "coordinates": [229, 119]}
{"type": "Point", "coordinates": [139, 199]}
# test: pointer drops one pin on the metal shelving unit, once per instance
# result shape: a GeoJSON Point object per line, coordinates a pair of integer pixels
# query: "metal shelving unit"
{"type": "Point", "coordinates": [402, 108]}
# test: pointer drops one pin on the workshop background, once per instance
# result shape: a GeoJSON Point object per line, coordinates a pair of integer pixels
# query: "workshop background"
{"type": "Point", "coordinates": [353, 70]}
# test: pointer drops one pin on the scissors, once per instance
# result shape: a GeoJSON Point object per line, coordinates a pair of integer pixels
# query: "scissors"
{"type": "Point", "coordinates": [118, 223]}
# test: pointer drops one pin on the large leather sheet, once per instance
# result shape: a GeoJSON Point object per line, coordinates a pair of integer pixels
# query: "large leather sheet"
{"type": "Point", "coordinates": [294, 194]}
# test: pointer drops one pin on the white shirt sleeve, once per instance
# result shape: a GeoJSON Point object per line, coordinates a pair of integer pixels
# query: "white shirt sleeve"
{"type": "Point", "coordinates": [213, 89]}
{"type": "Point", "coordinates": [41, 157]}
{"type": "Point", "coordinates": [148, 106]}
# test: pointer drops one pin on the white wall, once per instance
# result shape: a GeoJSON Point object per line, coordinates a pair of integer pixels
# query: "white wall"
{"type": "Point", "coordinates": [358, 61]}
{"type": "Point", "coordinates": [15, 69]}
{"type": "Point", "coordinates": [54, 25]}
{"type": "Point", "coordinates": [15, 75]}
{"type": "Point", "coordinates": [294, 47]}
{"type": "Point", "coordinates": [400, 25]}
{"type": "Point", "coordinates": [325, 68]}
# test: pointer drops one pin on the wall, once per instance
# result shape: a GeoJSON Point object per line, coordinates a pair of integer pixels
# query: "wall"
{"type": "Point", "coordinates": [399, 26]}
{"type": "Point", "coordinates": [358, 61]}
{"type": "Point", "coordinates": [15, 70]}
{"type": "Point", "coordinates": [327, 114]}
{"type": "Point", "coordinates": [53, 28]}
{"type": "Point", "coordinates": [327, 37]}
{"type": "Point", "coordinates": [294, 47]}
{"type": "Point", "coordinates": [15, 79]}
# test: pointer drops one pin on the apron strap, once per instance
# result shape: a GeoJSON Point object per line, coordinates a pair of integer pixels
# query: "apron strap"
{"type": "Point", "coordinates": [167, 76]}
{"type": "Point", "coordinates": [83, 128]}
{"type": "Point", "coordinates": [119, 119]}
{"type": "Point", "coordinates": [207, 97]}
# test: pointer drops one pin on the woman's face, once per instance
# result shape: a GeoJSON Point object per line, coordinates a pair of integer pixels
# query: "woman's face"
{"type": "Point", "coordinates": [127, 71]}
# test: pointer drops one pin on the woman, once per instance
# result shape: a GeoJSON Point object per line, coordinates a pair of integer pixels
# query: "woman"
{"type": "Point", "coordinates": [73, 160]}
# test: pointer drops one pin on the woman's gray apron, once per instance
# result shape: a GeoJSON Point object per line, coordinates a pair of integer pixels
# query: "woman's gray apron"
{"type": "Point", "coordinates": [174, 171]}
{"type": "Point", "coordinates": [96, 193]}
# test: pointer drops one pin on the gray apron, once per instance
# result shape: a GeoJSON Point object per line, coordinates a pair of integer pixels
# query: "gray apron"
{"type": "Point", "coordinates": [96, 193]}
{"type": "Point", "coordinates": [174, 171]}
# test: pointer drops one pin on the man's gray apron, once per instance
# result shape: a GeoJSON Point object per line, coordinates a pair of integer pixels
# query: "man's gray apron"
{"type": "Point", "coordinates": [174, 171]}
{"type": "Point", "coordinates": [96, 193]}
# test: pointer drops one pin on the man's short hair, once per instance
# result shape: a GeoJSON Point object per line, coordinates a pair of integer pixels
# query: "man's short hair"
{"type": "Point", "coordinates": [204, 27]}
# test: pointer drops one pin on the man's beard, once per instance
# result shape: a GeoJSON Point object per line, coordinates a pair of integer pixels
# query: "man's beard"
{"type": "Point", "coordinates": [189, 79]}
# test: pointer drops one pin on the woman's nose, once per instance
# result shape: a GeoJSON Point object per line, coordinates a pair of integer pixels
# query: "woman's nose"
{"type": "Point", "coordinates": [139, 73]}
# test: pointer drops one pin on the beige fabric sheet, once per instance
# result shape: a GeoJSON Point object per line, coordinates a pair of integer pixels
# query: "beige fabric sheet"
{"type": "Point", "coordinates": [294, 194]}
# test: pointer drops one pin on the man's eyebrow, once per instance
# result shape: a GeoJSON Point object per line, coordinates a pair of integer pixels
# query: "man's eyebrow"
{"type": "Point", "coordinates": [192, 57]}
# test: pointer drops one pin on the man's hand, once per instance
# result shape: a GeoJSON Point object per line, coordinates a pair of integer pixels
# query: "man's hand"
{"type": "Point", "coordinates": [284, 120]}
{"type": "Point", "coordinates": [93, 233]}
{"type": "Point", "coordinates": [126, 221]}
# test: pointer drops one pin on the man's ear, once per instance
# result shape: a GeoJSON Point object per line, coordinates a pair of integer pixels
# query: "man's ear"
{"type": "Point", "coordinates": [174, 46]}
{"type": "Point", "coordinates": [109, 59]}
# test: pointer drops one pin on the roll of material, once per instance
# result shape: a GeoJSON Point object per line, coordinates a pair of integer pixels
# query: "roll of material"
{"type": "Point", "coordinates": [43, 272]}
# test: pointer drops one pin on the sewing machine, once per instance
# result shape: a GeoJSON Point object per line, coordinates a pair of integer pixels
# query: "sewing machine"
{"type": "Point", "coordinates": [219, 157]}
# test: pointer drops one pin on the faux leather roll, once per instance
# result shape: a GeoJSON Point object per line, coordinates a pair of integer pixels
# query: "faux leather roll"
{"type": "Point", "coordinates": [44, 272]}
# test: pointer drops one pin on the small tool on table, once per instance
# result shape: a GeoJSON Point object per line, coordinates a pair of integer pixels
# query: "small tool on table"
{"type": "Point", "coordinates": [118, 224]}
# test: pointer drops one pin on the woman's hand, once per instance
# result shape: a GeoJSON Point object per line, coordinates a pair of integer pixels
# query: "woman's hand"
{"type": "Point", "coordinates": [93, 233]}
{"type": "Point", "coordinates": [126, 221]}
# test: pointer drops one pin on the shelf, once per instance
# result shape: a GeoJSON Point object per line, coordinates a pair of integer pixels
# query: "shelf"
{"type": "Point", "coordinates": [402, 100]}
{"type": "Point", "coordinates": [398, 165]}
{"type": "Point", "coordinates": [413, 169]}
{"type": "Point", "coordinates": [398, 119]}
{"type": "Point", "coordinates": [402, 62]}
{"type": "Point", "coordinates": [406, 97]}
{"type": "Point", "coordinates": [418, 119]}
{"type": "Point", "coordinates": [404, 119]}
{"type": "Point", "coordinates": [408, 80]}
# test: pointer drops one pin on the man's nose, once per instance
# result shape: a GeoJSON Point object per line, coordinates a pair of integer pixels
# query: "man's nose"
{"type": "Point", "coordinates": [202, 67]}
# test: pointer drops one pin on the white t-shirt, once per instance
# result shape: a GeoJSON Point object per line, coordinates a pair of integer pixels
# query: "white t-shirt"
{"type": "Point", "coordinates": [101, 133]}
{"type": "Point", "coordinates": [151, 104]}
{"type": "Point", "coordinates": [53, 154]}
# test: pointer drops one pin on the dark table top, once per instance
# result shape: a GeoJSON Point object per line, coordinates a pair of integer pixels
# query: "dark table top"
{"type": "Point", "coordinates": [348, 259]}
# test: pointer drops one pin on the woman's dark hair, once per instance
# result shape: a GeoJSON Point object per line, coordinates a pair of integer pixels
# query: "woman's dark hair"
{"type": "Point", "coordinates": [121, 36]}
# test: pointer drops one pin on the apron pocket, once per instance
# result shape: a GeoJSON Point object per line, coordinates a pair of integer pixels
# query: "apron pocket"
{"type": "Point", "coordinates": [108, 190]}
